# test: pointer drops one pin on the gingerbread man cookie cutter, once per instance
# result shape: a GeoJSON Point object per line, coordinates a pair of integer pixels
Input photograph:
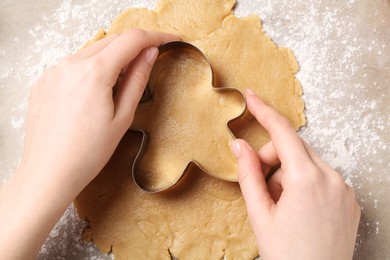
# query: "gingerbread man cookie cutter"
{"type": "Point", "coordinates": [163, 49]}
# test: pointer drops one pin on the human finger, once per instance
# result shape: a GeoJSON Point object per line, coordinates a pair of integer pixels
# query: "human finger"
{"type": "Point", "coordinates": [95, 47]}
{"type": "Point", "coordinates": [269, 159]}
{"type": "Point", "coordinates": [127, 46]}
{"type": "Point", "coordinates": [286, 142]}
{"type": "Point", "coordinates": [332, 175]}
{"type": "Point", "coordinates": [274, 185]}
{"type": "Point", "coordinates": [268, 155]}
{"type": "Point", "coordinates": [252, 181]}
{"type": "Point", "coordinates": [317, 159]}
{"type": "Point", "coordinates": [133, 85]}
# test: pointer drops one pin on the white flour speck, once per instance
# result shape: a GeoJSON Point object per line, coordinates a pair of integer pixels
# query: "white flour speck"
{"type": "Point", "coordinates": [346, 122]}
{"type": "Point", "coordinates": [17, 122]}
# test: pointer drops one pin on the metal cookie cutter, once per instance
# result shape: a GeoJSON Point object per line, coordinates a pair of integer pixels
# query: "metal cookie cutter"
{"type": "Point", "coordinates": [175, 46]}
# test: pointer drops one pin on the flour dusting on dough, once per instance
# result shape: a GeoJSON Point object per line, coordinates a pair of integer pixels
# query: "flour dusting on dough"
{"type": "Point", "coordinates": [345, 122]}
{"type": "Point", "coordinates": [331, 73]}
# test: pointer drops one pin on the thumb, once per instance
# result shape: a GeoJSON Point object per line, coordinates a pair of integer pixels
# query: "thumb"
{"type": "Point", "coordinates": [252, 182]}
{"type": "Point", "coordinates": [133, 85]}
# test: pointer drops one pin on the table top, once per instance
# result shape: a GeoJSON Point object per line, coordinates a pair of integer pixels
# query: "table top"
{"type": "Point", "coordinates": [343, 48]}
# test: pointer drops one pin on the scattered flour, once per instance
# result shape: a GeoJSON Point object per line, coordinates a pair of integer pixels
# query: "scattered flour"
{"type": "Point", "coordinates": [346, 91]}
{"type": "Point", "coordinates": [17, 122]}
{"type": "Point", "coordinates": [346, 121]}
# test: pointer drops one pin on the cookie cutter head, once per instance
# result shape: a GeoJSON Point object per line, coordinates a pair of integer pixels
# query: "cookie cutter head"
{"type": "Point", "coordinates": [168, 47]}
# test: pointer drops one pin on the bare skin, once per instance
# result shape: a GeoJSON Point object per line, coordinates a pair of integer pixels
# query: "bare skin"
{"type": "Point", "coordinates": [73, 126]}
{"type": "Point", "coordinates": [74, 123]}
{"type": "Point", "coordinates": [305, 211]}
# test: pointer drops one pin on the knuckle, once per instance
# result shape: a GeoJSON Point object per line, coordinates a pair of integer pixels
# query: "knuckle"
{"type": "Point", "coordinates": [267, 119]}
{"type": "Point", "coordinates": [69, 60]}
{"type": "Point", "coordinates": [308, 176]}
{"type": "Point", "coordinates": [282, 121]}
{"type": "Point", "coordinates": [243, 174]}
{"type": "Point", "coordinates": [338, 182]}
{"type": "Point", "coordinates": [274, 121]}
{"type": "Point", "coordinates": [94, 68]}
{"type": "Point", "coordinates": [139, 79]}
{"type": "Point", "coordinates": [340, 189]}
{"type": "Point", "coordinates": [95, 64]}
{"type": "Point", "coordinates": [352, 193]}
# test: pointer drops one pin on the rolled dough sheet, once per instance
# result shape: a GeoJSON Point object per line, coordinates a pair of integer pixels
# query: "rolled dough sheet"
{"type": "Point", "coordinates": [186, 121]}
{"type": "Point", "coordinates": [203, 218]}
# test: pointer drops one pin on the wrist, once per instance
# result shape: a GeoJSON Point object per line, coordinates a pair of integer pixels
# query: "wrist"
{"type": "Point", "coordinates": [56, 182]}
{"type": "Point", "coordinates": [28, 212]}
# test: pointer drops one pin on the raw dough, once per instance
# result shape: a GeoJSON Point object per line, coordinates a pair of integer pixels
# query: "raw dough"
{"type": "Point", "coordinates": [203, 218]}
{"type": "Point", "coordinates": [186, 121]}
{"type": "Point", "coordinates": [244, 57]}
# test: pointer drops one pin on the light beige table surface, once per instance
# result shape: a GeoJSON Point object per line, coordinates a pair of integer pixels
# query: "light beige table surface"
{"type": "Point", "coordinates": [343, 48]}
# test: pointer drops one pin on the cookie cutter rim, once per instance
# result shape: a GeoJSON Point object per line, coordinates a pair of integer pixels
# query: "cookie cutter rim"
{"type": "Point", "coordinates": [145, 136]}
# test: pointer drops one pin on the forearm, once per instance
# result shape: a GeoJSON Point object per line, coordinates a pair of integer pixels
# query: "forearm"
{"type": "Point", "coordinates": [71, 132]}
{"type": "Point", "coordinates": [30, 205]}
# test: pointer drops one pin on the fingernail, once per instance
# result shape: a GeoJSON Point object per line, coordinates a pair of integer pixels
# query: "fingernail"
{"type": "Point", "coordinates": [236, 148]}
{"type": "Point", "coordinates": [151, 55]}
{"type": "Point", "coordinates": [250, 92]}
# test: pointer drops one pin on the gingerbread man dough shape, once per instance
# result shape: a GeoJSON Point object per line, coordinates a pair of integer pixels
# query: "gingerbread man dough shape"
{"type": "Point", "coordinates": [186, 121]}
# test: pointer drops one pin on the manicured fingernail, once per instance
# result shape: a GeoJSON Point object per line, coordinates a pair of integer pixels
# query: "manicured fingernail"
{"type": "Point", "coordinates": [236, 148]}
{"type": "Point", "coordinates": [151, 55]}
{"type": "Point", "coordinates": [250, 92]}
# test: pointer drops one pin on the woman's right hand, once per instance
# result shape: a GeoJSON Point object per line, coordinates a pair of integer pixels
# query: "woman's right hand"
{"type": "Point", "coordinates": [305, 210]}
